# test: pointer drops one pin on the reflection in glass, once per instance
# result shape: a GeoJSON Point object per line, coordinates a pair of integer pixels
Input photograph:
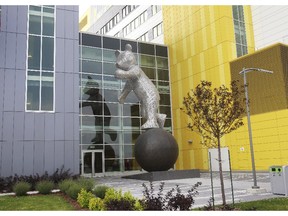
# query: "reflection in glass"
{"type": "Point", "coordinates": [111, 82]}
{"type": "Point", "coordinates": [166, 110]}
{"type": "Point", "coordinates": [47, 91]}
{"type": "Point", "coordinates": [114, 108]}
{"type": "Point", "coordinates": [109, 68]}
{"type": "Point", "coordinates": [47, 53]}
{"type": "Point", "coordinates": [163, 87]}
{"type": "Point", "coordinates": [99, 108]}
{"type": "Point", "coordinates": [162, 62]}
{"type": "Point", "coordinates": [48, 21]}
{"type": "Point", "coordinates": [130, 137]}
{"type": "Point", "coordinates": [163, 74]}
{"type": "Point", "coordinates": [34, 52]}
{"type": "Point", "coordinates": [109, 55]}
{"type": "Point", "coordinates": [112, 165]}
{"type": "Point", "coordinates": [91, 53]}
{"type": "Point", "coordinates": [131, 164]}
{"type": "Point", "coordinates": [148, 61]}
{"type": "Point", "coordinates": [91, 66]}
{"type": "Point", "coordinates": [33, 89]}
{"type": "Point", "coordinates": [131, 123]}
{"type": "Point", "coordinates": [131, 110]}
{"type": "Point", "coordinates": [111, 95]}
{"type": "Point", "coordinates": [35, 24]}
{"type": "Point", "coordinates": [164, 99]}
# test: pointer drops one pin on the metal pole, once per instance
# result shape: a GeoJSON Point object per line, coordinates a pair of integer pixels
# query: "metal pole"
{"type": "Point", "coordinates": [250, 132]}
{"type": "Point", "coordinates": [211, 175]}
{"type": "Point", "coordinates": [232, 189]}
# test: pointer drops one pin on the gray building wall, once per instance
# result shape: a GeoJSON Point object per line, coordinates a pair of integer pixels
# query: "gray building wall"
{"type": "Point", "coordinates": [35, 142]}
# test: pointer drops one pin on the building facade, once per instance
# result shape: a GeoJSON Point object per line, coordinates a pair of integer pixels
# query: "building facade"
{"type": "Point", "coordinates": [39, 89]}
{"type": "Point", "coordinates": [59, 98]}
{"type": "Point", "coordinates": [221, 41]}
{"type": "Point", "coordinates": [137, 22]}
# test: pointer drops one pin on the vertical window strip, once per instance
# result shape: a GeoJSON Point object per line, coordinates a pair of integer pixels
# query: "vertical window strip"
{"type": "Point", "coordinates": [240, 31]}
{"type": "Point", "coordinates": [44, 74]}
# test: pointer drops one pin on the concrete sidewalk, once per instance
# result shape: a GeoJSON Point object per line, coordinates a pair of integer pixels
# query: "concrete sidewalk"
{"type": "Point", "coordinates": [241, 182]}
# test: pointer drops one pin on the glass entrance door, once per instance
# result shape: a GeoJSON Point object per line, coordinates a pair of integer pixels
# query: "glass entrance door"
{"type": "Point", "coordinates": [92, 163]}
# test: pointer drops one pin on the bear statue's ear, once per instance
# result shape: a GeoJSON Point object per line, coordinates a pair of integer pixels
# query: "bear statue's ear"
{"type": "Point", "coordinates": [117, 52]}
{"type": "Point", "coordinates": [128, 47]}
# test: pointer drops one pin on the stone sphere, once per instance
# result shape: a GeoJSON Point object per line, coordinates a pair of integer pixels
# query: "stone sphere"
{"type": "Point", "coordinates": [156, 150]}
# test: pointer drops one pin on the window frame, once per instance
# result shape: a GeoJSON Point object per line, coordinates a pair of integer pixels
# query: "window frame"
{"type": "Point", "coordinates": [41, 71]}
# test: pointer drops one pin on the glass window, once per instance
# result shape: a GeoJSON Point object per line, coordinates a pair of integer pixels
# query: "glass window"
{"type": "Point", "coordinates": [109, 68]}
{"type": "Point", "coordinates": [162, 62]}
{"type": "Point", "coordinates": [161, 51]}
{"type": "Point", "coordinates": [48, 21]}
{"type": "Point", "coordinates": [239, 29]}
{"type": "Point", "coordinates": [163, 74]}
{"type": "Point", "coordinates": [111, 95]}
{"type": "Point", "coordinates": [91, 81]}
{"type": "Point", "coordinates": [146, 49]}
{"type": "Point", "coordinates": [130, 136]}
{"type": "Point", "coordinates": [47, 53]}
{"type": "Point", "coordinates": [111, 43]}
{"type": "Point", "coordinates": [91, 66]}
{"type": "Point", "coordinates": [163, 87]}
{"type": "Point", "coordinates": [110, 82]}
{"type": "Point", "coordinates": [147, 60]}
{"type": "Point", "coordinates": [109, 55]}
{"type": "Point", "coordinates": [40, 59]}
{"type": "Point", "coordinates": [33, 91]}
{"type": "Point", "coordinates": [91, 40]}
{"type": "Point", "coordinates": [164, 99]}
{"type": "Point", "coordinates": [47, 82]}
{"type": "Point", "coordinates": [131, 110]}
{"type": "Point", "coordinates": [34, 52]}
{"type": "Point", "coordinates": [166, 110]}
{"type": "Point", "coordinates": [91, 53]}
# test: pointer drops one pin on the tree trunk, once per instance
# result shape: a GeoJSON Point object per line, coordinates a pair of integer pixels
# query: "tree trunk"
{"type": "Point", "coordinates": [221, 173]}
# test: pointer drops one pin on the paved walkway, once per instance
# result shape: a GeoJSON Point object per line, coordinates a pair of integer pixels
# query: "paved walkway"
{"type": "Point", "coordinates": [241, 182]}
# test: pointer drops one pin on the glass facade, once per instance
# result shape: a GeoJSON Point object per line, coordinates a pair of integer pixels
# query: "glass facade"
{"type": "Point", "coordinates": [40, 73]}
{"type": "Point", "coordinates": [108, 130]}
{"type": "Point", "coordinates": [240, 31]}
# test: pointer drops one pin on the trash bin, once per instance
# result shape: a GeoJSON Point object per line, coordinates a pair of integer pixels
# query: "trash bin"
{"type": "Point", "coordinates": [279, 180]}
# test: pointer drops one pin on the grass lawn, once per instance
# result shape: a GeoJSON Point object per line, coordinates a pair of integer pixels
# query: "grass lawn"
{"type": "Point", "coordinates": [38, 202]}
{"type": "Point", "coordinates": [274, 204]}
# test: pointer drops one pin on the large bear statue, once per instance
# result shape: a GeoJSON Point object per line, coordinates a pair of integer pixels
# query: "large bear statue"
{"type": "Point", "coordinates": [145, 90]}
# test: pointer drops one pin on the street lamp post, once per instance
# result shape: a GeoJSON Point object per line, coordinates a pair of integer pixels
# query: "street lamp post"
{"type": "Point", "coordinates": [243, 72]}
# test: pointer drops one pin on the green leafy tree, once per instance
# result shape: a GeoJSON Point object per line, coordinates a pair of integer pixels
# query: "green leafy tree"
{"type": "Point", "coordinates": [213, 113]}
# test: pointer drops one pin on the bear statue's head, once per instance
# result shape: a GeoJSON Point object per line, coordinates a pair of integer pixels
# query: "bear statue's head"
{"type": "Point", "coordinates": [125, 59]}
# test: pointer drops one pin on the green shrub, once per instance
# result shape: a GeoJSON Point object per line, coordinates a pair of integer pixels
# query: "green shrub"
{"type": "Point", "coordinates": [44, 187]}
{"type": "Point", "coordinates": [21, 188]}
{"type": "Point", "coordinates": [96, 204]}
{"type": "Point", "coordinates": [84, 198]}
{"type": "Point", "coordinates": [86, 183]}
{"type": "Point", "coordinates": [73, 190]}
{"type": "Point", "coordinates": [114, 200]}
{"type": "Point", "coordinates": [65, 185]}
{"type": "Point", "coordinates": [100, 191]}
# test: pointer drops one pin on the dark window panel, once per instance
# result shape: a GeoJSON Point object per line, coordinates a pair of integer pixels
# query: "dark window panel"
{"type": "Point", "coordinates": [150, 72]}
{"type": "Point", "coordinates": [161, 51]}
{"type": "Point", "coordinates": [111, 43]}
{"type": "Point", "coordinates": [91, 40]}
{"type": "Point", "coordinates": [146, 49]}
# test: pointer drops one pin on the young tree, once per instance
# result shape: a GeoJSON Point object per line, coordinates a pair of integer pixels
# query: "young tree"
{"type": "Point", "coordinates": [214, 113]}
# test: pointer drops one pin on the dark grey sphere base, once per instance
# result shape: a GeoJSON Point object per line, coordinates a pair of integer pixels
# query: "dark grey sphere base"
{"type": "Point", "coordinates": [165, 175]}
{"type": "Point", "coordinates": [156, 150]}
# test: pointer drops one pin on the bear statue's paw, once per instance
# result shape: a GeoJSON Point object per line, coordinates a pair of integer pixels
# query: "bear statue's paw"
{"type": "Point", "coordinates": [161, 119]}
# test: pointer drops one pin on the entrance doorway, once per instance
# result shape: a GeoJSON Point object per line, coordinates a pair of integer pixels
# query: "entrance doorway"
{"type": "Point", "coordinates": [92, 163]}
